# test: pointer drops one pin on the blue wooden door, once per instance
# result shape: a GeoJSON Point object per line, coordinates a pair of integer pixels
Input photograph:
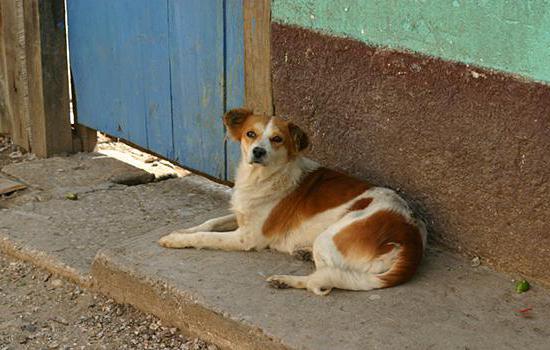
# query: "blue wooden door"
{"type": "Point", "coordinates": [160, 73]}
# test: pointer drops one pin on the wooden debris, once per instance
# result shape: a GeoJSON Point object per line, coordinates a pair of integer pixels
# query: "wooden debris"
{"type": "Point", "coordinates": [8, 186]}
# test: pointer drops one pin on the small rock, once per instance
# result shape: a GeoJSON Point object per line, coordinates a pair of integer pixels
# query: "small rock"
{"type": "Point", "coordinates": [29, 327]}
{"type": "Point", "coordinates": [15, 155]}
{"type": "Point", "coordinates": [475, 261]}
{"type": "Point", "coordinates": [56, 283]}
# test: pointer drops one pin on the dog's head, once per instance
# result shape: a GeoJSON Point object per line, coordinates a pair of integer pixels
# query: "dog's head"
{"type": "Point", "coordinates": [265, 141]}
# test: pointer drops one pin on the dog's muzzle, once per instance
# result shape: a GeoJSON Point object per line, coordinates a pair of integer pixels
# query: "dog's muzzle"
{"type": "Point", "coordinates": [258, 155]}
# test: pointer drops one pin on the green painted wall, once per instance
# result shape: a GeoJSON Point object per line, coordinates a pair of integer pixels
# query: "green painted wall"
{"type": "Point", "coordinates": [509, 35]}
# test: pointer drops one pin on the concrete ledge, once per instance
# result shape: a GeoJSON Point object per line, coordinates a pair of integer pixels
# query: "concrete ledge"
{"type": "Point", "coordinates": [176, 307]}
{"type": "Point", "coordinates": [43, 260]}
{"type": "Point", "coordinates": [223, 297]}
{"type": "Point", "coordinates": [64, 235]}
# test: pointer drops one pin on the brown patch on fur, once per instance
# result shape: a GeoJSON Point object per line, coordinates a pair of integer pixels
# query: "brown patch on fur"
{"type": "Point", "coordinates": [234, 121]}
{"type": "Point", "coordinates": [377, 235]}
{"type": "Point", "coordinates": [294, 139]}
{"type": "Point", "coordinates": [360, 204]}
{"type": "Point", "coordinates": [281, 129]}
{"type": "Point", "coordinates": [320, 190]}
{"type": "Point", "coordinates": [301, 141]}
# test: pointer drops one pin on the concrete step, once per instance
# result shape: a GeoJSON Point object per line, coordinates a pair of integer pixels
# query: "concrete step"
{"type": "Point", "coordinates": [107, 240]}
{"type": "Point", "coordinates": [43, 226]}
{"type": "Point", "coordinates": [222, 296]}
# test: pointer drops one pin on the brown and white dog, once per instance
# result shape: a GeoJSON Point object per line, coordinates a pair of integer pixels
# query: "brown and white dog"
{"type": "Point", "coordinates": [361, 237]}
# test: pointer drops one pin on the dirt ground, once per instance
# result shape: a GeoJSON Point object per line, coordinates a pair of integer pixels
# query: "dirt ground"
{"type": "Point", "coordinates": [41, 311]}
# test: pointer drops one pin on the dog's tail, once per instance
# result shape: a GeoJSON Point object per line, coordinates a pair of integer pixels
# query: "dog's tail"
{"type": "Point", "coordinates": [408, 260]}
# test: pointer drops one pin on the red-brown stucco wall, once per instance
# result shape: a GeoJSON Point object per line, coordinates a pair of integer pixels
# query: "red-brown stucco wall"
{"type": "Point", "coordinates": [468, 147]}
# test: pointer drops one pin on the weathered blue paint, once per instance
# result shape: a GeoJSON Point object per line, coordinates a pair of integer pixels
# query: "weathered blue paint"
{"type": "Point", "coordinates": [197, 65]}
{"type": "Point", "coordinates": [119, 67]}
{"type": "Point", "coordinates": [234, 53]}
{"type": "Point", "coordinates": [160, 74]}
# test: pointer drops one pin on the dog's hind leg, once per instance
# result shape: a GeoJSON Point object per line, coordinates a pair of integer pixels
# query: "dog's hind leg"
{"type": "Point", "coordinates": [303, 254]}
{"type": "Point", "coordinates": [323, 280]}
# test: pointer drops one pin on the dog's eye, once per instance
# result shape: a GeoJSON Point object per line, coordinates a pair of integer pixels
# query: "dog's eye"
{"type": "Point", "coordinates": [251, 134]}
{"type": "Point", "coordinates": [277, 139]}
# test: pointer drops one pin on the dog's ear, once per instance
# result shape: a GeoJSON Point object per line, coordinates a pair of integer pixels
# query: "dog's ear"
{"type": "Point", "coordinates": [301, 141]}
{"type": "Point", "coordinates": [234, 120]}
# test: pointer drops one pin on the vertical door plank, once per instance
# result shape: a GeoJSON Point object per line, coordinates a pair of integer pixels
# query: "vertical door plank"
{"type": "Point", "coordinates": [5, 105]}
{"type": "Point", "coordinates": [197, 76]}
{"type": "Point", "coordinates": [257, 48]}
{"type": "Point", "coordinates": [234, 84]}
{"type": "Point", "coordinates": [120, 63]}
{"type": "Point", "coordinates": [47, 78]}
{"type": "Point", "coordinates": [15, 70]}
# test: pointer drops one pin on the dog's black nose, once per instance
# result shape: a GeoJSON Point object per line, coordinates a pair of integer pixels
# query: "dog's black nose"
{"type": "Point", "coordinates": [258, 152]}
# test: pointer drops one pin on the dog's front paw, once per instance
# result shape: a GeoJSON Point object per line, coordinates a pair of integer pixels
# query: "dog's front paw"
{"type": "Point", "coordinates": [171, 241]}
{"type": "Point", "coordinates": [278, 282]}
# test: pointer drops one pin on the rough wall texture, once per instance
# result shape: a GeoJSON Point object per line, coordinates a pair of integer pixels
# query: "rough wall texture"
{"type": "Point", "coordinates": [470, 148]}
{"type": "Point", "coordinates": [512, 36]}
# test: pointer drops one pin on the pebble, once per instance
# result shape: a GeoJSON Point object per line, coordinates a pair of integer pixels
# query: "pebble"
{"type": "Point", "coordinates": [15, 155]}
{"type": "Point", "coordinates": [56, 283]}
{"type": "Point", "coordinates": [29, 327]}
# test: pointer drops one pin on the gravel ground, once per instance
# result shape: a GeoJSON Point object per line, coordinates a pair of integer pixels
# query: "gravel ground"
{"type": "Point", "coordinates": [40, 311]}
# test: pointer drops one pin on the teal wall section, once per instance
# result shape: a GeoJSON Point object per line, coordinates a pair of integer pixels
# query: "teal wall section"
{"type": "Point", "coordinates": [508, 35]}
